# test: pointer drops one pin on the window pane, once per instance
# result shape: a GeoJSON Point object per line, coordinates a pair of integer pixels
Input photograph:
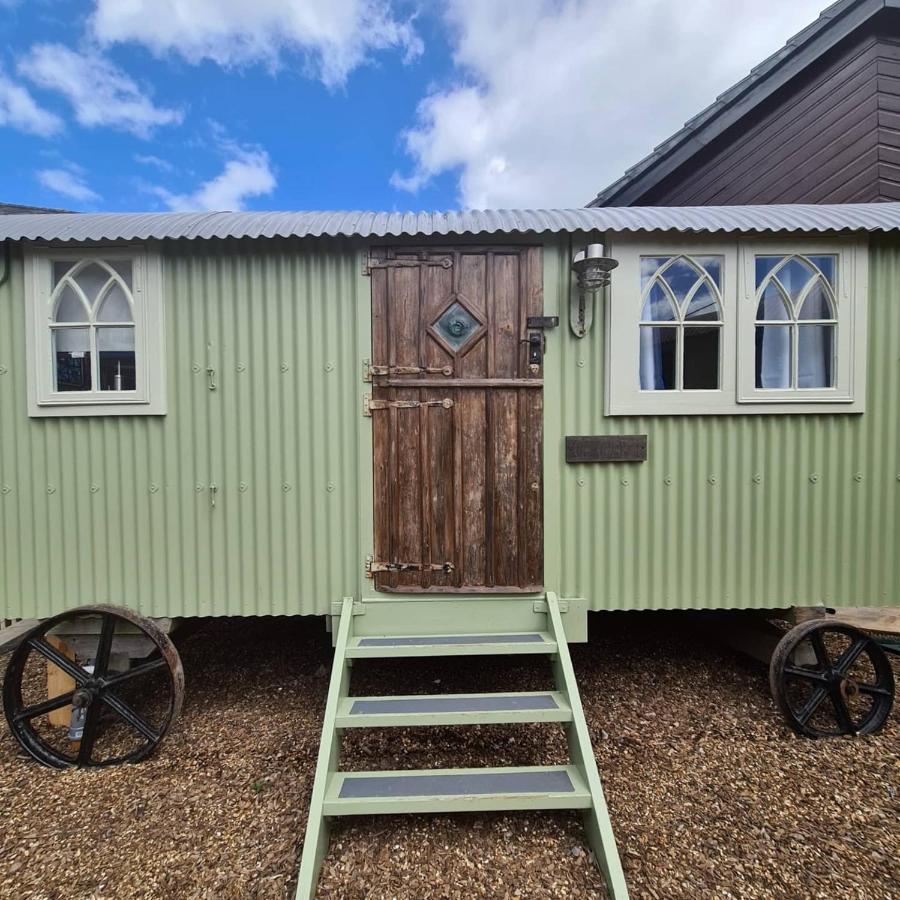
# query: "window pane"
{"type": "Point", "coordinates": [713, 267]}
{"type": "Point", "coordinates": [61, 267]}
{"type": "Point", "coordinates": [817, 304]}
{"type": "Point", "coordinates": [71, 350]}
{"type": "Point", "coordinates": [90, 279]}
{"type": "Point", "coordinates": [658, 358]}
{"type": "Point", "coordinates": [827, 266]}
{"type": "Point", "coordinates": [69, 308]}
{"type": "Point", "coordinates": [658, 307]}
{"type": "Point", "coordinates": [115, 350]}
{"type": "Point", "coordinates": [116, 307]}
{"type": "Point", "coordinates": [701, 358]}
{"type": "Point", "coordinates": [123, 267]}
{"type": "Point", "coordinates": [703, 306]}
{"type": "Point", "coordinates": [650, 265]}
{"type": "Point", "coordinates": [772, 305]}
{"type": "Point", "coordinates": [681, 276]}
{"type": "Point", "coordinates": [773, 356]}
{"type": "Point", "coordinates": [794, 275]}
{"type": "Point", "coordinates": [764, 265]}
{"type": "Point", "coordinates": [815, 356]}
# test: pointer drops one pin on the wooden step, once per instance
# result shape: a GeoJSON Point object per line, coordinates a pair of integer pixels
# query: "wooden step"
{"type": "Point", "coordinates": [455, 790]}
{"type": "Point", "coordinates": [453, 709]}
{"type": "Point", "coordinates": [369, 647]}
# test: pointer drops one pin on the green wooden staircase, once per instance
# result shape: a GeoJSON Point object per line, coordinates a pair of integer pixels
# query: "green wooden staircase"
{"type": "Point", "coordinates": [406, 627]}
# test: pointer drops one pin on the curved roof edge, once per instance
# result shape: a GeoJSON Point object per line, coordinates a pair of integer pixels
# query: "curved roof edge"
{"type": "Point", "coordinates": [81, 227]}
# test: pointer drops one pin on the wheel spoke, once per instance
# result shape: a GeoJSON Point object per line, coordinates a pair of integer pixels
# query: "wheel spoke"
{"type": "Point", "coordinates": [845, 723]}
{"type": "Point", "coordinates": [130, 716]}
{"type": "Point", "coordinates": [47, 706]}
{"type": "Point", "coordinates": [89, 733]}
{"type": "Point", "coordinates": [73, 670]}
{"type": "Point", "coordinates": [104, 646]}
{"type": "Point", "coordinates": [811, 705]}
{"type": "Point", "coordinates": [820, 649]}
{"type": "Point", "coordinates": [137, 672]}
{"type": "Point", "coordinates": [850, 655]}
{"type": "Point", "coordinates": [874, 690]}
{"type": "Point", "coordinates": [805, 674]}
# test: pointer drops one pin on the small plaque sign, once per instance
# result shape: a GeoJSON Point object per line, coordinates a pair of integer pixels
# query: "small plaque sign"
{"type": "Point", "coordinates": [606, 448]}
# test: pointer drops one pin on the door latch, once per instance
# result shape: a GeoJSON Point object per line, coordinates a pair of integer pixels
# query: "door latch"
{"type": "Point", "coordinates": [535, 341]}
{"type": "Point", "coordinates": [374, 566]}
{"type": "Point", "coordinates": [369, 404]}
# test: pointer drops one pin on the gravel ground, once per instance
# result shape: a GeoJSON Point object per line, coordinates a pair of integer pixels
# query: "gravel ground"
{"type": "Point", "coordinates": [710, 795]}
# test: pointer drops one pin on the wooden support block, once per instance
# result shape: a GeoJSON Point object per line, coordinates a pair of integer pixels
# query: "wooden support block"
{"type": "Point", "coordinates": [58, 682]}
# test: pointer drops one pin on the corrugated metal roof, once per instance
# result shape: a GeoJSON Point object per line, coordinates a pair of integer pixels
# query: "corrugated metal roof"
{"type": "Point", "coordinates": [834, 23]}
{"type": "Point", "coordinates": [148, 226]}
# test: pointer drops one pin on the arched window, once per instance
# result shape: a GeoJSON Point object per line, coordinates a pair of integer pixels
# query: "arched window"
{"type": "Point", "coordinates": [796, 322]}
{"type": "Point", "coordinates": [95, 331]}
{"type": "Point", "coordinates": [92, 326]}
{"type": "Point", "coordinates": [681, 323]}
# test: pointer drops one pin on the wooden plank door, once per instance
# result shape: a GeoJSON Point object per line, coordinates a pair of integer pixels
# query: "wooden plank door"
{"type": "Point", "coordinates": [457, 420]}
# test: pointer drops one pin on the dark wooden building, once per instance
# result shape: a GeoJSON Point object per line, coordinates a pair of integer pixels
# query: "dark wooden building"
{"type": "Point", "coordinates": [817, 122]}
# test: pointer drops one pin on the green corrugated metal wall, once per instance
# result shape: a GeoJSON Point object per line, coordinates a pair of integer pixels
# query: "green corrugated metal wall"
{"type": "Point", "coordinates": [120, 509]}
{"type": "Point", "coordinates": [728, 511]}
{"type": "Point", "coordinates": [736, 511]}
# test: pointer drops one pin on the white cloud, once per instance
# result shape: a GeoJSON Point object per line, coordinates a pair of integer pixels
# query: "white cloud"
{"type": "Point", "coordinates": [69, 182]}
{"type": "Point", "coordinates": [335, 36]}
{"type": "Point", "coordinates": [100, 93]}
{"type": "Point", "coordinates": [148, 159]}
{"type": "Point", "coordinates": [247, 174]}
{"type": "Point", "coordinates": [19, 110]}
{"type": "Point", "coordinates": [556, 98]}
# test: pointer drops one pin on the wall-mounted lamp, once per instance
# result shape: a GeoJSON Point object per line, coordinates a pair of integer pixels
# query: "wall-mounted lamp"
{"type": "Point", "coordinates": [592, 267]}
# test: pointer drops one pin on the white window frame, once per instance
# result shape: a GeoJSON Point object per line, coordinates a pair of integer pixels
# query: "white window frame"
{"type": "Point", "coordinates": [851, 296]}
{"type": "Point", "coordinates": [737, 393]}
{"type": "Point", "coordinates": [150, 396]}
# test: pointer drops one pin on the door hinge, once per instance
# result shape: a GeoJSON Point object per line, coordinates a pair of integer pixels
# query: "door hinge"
{"type": "Point", "coordinates": [372, 370]}
{"type": "Point", "coordinates": [369, 404]}
{"type": "Point", "coordinates": [374, 262]}
{"type": "Point", "coordinates": [374, 565]}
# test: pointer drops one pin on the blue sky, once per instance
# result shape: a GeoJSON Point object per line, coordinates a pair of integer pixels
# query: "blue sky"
{"type": "Point", "coordinates": [350, 104]}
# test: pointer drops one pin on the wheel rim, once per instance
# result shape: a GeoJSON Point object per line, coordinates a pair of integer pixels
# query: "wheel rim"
{"type": "Point", "coordinates": [122, 716]}
{"type": "Point", "coordinates": [831, 679]}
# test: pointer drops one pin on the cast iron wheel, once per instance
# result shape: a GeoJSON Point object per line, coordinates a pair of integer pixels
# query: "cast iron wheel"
{"type": "Point", "coordinates": [830, 679]}
{"type": "Point", "coordinates": [121, 716]}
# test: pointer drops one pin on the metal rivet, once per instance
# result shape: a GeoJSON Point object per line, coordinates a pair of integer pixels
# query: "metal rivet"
{"type": "Point", "coordinates": [580, 482]}
{"type": "Point", "coordinates": [329, 367]}
{"type": "Point", "coordinates": [813, 478]}
{"type": "Point", "coordinates": [667, 479]}
{"type": "Point", "coordinates": [858, 476]}
{"type": "Point", "coordinates": [3, 370]}
{"type": "Point", "coordinates": [241, 367]}
{"type": "Point", "coordinates": [286, 487]}
{"type": "Point", "coordinates": [199, 487]}
{"type": "Point", "coordinates": [580, 363]}
{"type": "Point", "coordinates": [713, 479]}
{"type": "Point", "coordinates": [51, 489]}
{"type": "Point", "coordinates": [5, 489]}
{"type": "Point", "coordinates": [196, 367]}
{"type": "Point", "coordinates": [242, 487]}
{"type": "Point", "coordinates": [154, 488]}
{"type": "Point", "coordinates": [284, 367]}
{"type": "Point", "coordinates": [95, 488]}
{"type": "Point", "coordinates": [757, 478]}
{"type": "Point", "coordinates": [625, 482]}
{"type": "Point", "coordinates": [330, 487]}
